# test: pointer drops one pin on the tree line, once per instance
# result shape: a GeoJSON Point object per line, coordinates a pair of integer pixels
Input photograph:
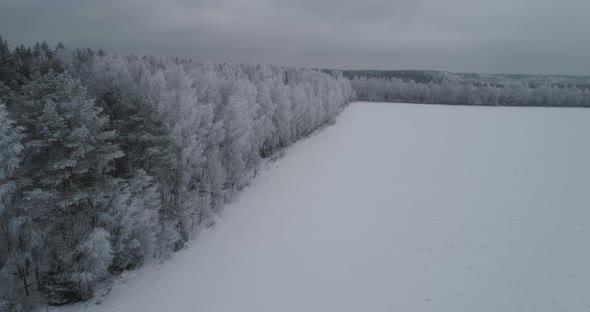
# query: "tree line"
{"type": "Point", "coordinates": [110, 160]}
{"type": "Point", "coordinates": [508, 93]}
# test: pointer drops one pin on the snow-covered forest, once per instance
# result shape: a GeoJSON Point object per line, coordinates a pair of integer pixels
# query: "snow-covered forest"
{"type": "Point", "coordinates": [478, 92]}
{"type": "Point", "coordinates": [111, 160]}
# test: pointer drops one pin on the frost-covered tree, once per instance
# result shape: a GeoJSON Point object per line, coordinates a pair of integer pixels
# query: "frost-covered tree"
{"type": "Point", "coordinates": [10, 157]}
{"type": "Point", "coordinates": [93, 257]}
{"type": "Point", "coordinates": [10, 161]}
{"type": "Point", "coordinates": [66, 170]}
{"type": "Point", "coordinates": [132, 220]}
{"type": "Point", "coordinates": [144, 138]}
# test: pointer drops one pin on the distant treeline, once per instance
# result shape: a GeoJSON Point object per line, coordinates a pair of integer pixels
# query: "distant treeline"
{"type": "Point", "coordinates": [473, 92]}
{"type": "Point", "coordinates": [111, 160]}
{"type": "Point", "coordinates": [419, 76]}
{"type": "Point", "coordinates": [432, 76]}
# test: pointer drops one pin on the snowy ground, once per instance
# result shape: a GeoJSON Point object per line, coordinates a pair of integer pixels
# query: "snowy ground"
{"type": "Point", "coordinates": [398, 208]}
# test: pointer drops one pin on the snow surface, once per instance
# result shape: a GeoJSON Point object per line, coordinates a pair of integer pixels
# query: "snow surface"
{"type": "Point", "coordinates": [398, 208]}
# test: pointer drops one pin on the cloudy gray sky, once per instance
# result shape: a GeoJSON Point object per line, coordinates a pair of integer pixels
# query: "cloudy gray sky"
{"type": "Point", "coordinates": [524, 36]}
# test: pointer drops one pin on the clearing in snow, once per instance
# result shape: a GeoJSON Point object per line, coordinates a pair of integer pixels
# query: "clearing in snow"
{"type": "Point", "coordinates": [397, 207]}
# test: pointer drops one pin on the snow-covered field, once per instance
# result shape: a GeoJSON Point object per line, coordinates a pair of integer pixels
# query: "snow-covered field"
{"type": "Point", "coordinates": [398, 208]}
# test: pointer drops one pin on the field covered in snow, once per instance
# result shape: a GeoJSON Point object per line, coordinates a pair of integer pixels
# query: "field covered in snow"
{"type": "Point", "coordinates": [398, 208]}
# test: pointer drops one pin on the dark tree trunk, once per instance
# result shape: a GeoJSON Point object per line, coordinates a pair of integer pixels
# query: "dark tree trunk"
{"type": "Point", "coordinates": [39, 288]}
{"type": "Point", "coordinates": [22, 275]}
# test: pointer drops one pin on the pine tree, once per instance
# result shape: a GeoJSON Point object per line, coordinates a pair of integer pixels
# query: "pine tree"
{"type": "Point", "coordinates": [148, 147]}
{"type": "Point", "coordinates": [10, 161]}
{"type": "Point", "coordinates": [10, 156]}
{"type": "Point", "coordinates": [66, 170]}
{"type": "Point", "coordinates": [143, 137]}
{"type": "Point", "coordinates": [7, 68]}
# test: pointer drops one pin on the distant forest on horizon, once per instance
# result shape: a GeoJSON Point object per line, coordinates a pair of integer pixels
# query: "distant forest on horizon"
{"type": "Point", "coordinates": [441, 87]}
{"type": "Point", "coordinates": [439, 76]}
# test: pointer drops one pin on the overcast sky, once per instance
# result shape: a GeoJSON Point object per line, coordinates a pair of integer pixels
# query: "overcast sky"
{"type": "Point", "coordinates": [497, 36]}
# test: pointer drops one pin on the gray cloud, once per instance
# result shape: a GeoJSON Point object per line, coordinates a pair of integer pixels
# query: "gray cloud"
{"type": "Point", "coordinates": [531, 36]}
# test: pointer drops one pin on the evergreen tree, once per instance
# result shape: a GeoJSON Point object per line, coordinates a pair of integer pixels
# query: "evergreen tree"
{"type": "Point", "coordinates": [8, 74]}
{"type": "Point", "coordinates": [68, 158]}
{"type": "Point", "coordinates": [140, 133]}
{"type": "Point", "coordinates": [10, 161]}
{"type": "Point", "coordinates": [148, 147]}
{"type": "Point", "coordinates": [10, 157]}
